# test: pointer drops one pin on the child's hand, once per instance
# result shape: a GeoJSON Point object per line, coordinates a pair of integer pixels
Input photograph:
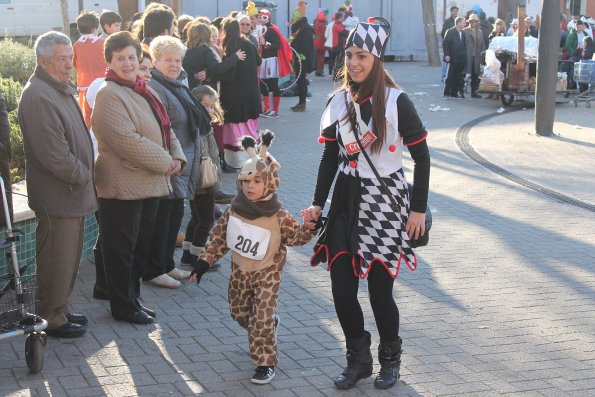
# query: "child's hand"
{"type": "Point", "coordinates": [200, 268]}
{"type": "Point", "coordinates": [310, 216]}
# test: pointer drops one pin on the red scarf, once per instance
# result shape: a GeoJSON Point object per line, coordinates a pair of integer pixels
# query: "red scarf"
{"type": "Point", "coordinates": [140, 87]}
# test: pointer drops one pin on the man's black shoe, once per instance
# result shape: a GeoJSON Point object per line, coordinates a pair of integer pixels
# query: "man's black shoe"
{"type": "Point", "coordinates": [138, 317]}
{"type": "Point", "coordinates": [475, 95]}
{"type": "Point", "coordinates": [77, 318]}
{"type": "Point", "coordinates": [457, 96]}
{"type": "Point", "coordinates": [223, 198]}
{"type": "Point", "coordinates": [150, 312]}
{"type": "Point", "coordinates": [68, 330]}
{"type": "Point", "coordinates": [100, 293]}
{"type": "Point", "coordinates": [226, 168]}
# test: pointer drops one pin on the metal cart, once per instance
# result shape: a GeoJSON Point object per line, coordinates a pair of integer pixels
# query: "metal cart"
{"type": "Point", "coordinates": [584, 73]}
{"type": "Point", "coordinates": [17, 299]}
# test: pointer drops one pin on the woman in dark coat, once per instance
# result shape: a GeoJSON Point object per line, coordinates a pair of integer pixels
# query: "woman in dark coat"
{"type": "Point", "coordinates": [302, 33]}
{"type": "Point", "coordinates": [202, 57]}
{"type": "Point", "coordinates": [240, 96]}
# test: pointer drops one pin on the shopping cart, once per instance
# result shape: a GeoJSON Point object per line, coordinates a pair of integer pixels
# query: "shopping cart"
{"type": "Point", "coordinates": [17, 298]}
{"type": "Point", "coordinates": [584, 73]}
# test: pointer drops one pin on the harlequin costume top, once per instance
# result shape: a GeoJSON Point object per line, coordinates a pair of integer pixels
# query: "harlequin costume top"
{"type": "Point", "coordinates": [361, 221]}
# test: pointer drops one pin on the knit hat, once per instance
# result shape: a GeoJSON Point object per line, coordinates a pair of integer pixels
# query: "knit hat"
{"type": "Point", "coordinates": [370, 37]}
{"type": "Point", "coordinates": [260, 163]}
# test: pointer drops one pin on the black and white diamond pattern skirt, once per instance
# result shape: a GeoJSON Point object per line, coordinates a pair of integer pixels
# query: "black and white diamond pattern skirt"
{"type": "Point", "coordinates": [382, 237]}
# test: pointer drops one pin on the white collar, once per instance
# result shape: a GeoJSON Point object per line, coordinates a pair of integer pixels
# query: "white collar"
{"type": "Point", "coordinates": [86, 37]}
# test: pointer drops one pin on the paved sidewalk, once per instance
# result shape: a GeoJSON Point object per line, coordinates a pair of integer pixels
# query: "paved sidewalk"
{"type": "Point", "coordinates": [502, 302]}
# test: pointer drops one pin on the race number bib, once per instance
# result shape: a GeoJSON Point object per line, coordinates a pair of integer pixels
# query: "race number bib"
{"type": "Point", "coordinates": [247, 240]}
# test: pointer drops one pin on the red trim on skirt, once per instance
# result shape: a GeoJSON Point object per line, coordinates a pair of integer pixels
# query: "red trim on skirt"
{"type": "Point", "coordinates": [314, 261]}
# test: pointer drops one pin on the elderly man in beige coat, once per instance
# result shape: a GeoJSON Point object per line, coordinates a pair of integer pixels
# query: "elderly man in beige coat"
{"type": "Point", "coordinates": [59, 158]}
{"type": "Point", "coordinates": [475, 46]}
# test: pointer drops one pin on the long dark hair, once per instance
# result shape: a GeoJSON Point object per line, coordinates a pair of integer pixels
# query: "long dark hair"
{"type": "Point", "coordinates": [374, 86]}
{"type": "Point", "coordinates": [232, 36]}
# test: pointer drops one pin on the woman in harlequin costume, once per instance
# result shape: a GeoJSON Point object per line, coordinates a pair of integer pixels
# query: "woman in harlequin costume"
{"type": "Point", "coordinates": [364, 237]}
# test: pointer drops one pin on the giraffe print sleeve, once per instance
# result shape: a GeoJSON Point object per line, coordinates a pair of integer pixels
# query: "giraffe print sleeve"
{"type": "Point", "coordinates": [292, 233]}
{"type": "Point", "coordinates": [216, 245]}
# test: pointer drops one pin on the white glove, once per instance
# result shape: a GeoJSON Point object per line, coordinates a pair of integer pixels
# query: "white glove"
{"type": "Point", "coordinates": [468, 77]}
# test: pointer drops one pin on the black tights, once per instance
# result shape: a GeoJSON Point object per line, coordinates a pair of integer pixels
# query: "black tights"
{"type": "Point", "coordinates": [380, 289]}
{"type": "Point", "coordinates": [202, 220]}
{"type": "Point", "coordinates": [270, 85]}
{"type": "Point", "coordinates": [302, 84]}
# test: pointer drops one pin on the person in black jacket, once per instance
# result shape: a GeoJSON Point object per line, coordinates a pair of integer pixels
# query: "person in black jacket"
{"type": "Point", "coordinates": [240, 95]}
{"type": "Point", "coordinates": [303, 43]}
{"type": "Point", "coordinates": [455, 53]}
{"type": "Point", "coordinates": [5, 159]}
{"type": "Point", "coordinates": [450, 22]}
{"type": "Point", "coordinates": [202, 57]}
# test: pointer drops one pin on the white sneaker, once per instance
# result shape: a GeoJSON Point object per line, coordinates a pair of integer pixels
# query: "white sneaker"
{"type": "Point", "coordinates": [179, 274]}
{"type": "Point", "coordinates": [165, 281]}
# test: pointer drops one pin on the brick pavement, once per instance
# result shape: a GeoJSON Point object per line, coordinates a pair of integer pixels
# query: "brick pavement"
{"type": "Point", "coordinates": [502, 302]}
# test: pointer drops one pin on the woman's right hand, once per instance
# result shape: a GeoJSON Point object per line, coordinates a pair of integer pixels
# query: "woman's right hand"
{"type": "Point", "coordinates": [174, 168]}
{"type": "Point", "coordinates": [241, 54]}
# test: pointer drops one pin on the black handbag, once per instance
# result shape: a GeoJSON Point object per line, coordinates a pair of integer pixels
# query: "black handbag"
{"type": "Point", "coordinates": [413, 243]}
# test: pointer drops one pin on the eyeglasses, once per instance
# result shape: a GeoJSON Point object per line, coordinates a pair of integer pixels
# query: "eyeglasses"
{"type": "Point", "coordinates": [246, 24]}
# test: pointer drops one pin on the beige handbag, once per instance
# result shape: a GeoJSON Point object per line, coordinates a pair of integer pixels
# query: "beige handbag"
{"type": "Point", "coordinates": [208, 175]}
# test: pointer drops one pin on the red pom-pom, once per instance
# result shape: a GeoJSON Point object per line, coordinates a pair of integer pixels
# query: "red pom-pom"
{"type": "Point", "coordinates": [353, 163]}
{"type": "Point", "coordinates": [320, 140]}
{"type": "Point", "coordinates": [371, 20]}
{"type": "Point", "coordinates": [392, 148]}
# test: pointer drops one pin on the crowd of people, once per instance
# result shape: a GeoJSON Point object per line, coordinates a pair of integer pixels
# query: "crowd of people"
{"type": "Point", "coordinates": [465, 39]}
{"type": "Point", "coordinates": [167, 104]}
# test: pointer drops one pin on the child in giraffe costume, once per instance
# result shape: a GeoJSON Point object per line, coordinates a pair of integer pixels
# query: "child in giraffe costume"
{"type": "Point", "coordinates": [258, 230]}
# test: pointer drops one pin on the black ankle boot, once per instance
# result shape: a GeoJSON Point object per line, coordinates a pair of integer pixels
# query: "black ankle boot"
{"type": "Point", "coordinates": [226, 168]}
{"type": "Point", "coordinates": [359, 362]}
{"type": "Point", "coordinates": [389, 356]}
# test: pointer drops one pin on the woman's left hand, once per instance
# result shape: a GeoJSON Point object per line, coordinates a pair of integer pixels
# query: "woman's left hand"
{"type": "Point", "coordinates": [416, 224]}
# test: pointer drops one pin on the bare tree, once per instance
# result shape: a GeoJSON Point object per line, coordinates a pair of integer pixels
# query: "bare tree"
{"type": "Point", "coordinates": [547, 67]}
{"type": "Point", "coordinates": [174, 4]}
{"type": "Point", "coordinates": [430, 33]}
{"type": "Point", "coordinates": [65, 20]}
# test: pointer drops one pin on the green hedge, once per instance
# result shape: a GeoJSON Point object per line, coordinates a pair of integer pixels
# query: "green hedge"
{"type": "Point", "coordinates": [16, 60]}
{"type": "Point", "coordinates": [17, 160]}
{"type": "Point", "coordinates": [11, 91]}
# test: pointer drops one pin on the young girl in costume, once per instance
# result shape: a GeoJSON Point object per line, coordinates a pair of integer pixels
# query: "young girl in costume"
{"type": "Point", "coordinates": [258, 230]}
{"type": "Point", "coordinates": [365, 236]}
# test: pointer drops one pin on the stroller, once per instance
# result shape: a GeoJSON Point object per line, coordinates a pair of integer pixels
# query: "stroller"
{"type": "Point", "coordinates": [17, 298]}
